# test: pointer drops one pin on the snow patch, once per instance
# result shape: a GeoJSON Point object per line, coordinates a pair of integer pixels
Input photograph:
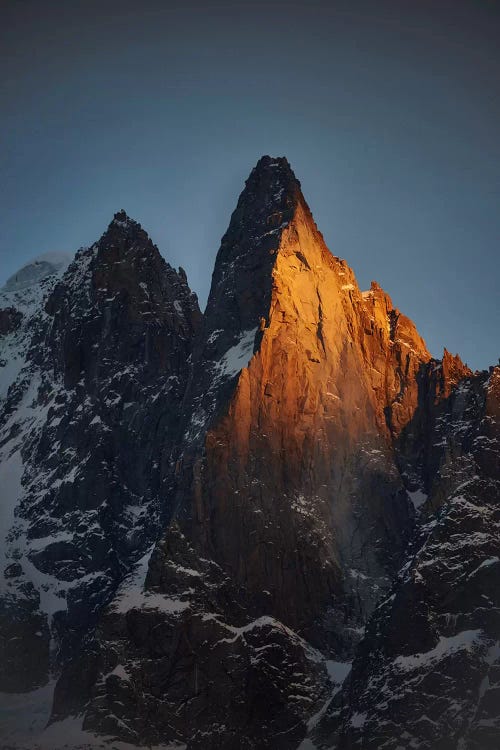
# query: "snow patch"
{"type": "Point", "coordinates": [358, 720]}
{"type": "Point", "coordinates": [142, 599]}
{"type": "Point", "coordinates": [417, 498]}
{"type": "Point", "coordinates": [238, 356]}
{"type": "Point", "coordinates": [446, 646]}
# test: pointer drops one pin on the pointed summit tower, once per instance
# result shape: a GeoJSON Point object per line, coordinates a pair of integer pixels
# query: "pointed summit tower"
{"type": "Point", "coordinates": [290, 514]}
{"type": "Point", "coordinates": [294, 481]}
{"type": "Point", "coordinates": [299, 382]}
{"type": "Point", "coordinates": [242, 278]}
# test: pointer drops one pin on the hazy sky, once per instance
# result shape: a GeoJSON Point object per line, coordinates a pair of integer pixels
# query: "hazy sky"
{"type": "Point", "coordinates": [389, 113]}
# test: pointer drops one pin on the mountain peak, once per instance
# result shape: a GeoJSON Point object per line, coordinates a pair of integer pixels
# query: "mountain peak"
{"type": "Point", "coordinates": [272, 180]}
{"type": "Point", "coordinates": [242, 278]}
{"type": "Point", "coordinates": [123, 220]}
{"type": "Point", "coordinates": [123, 232]}
{"type": "Point", "coordinates": [36, 270]}
{"type": "Point", "coordinates": [193, 507]}
{"type": "Point", "coordinates": [274, 162]}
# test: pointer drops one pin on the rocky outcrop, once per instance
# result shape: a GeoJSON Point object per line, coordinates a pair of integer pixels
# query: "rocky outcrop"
{"type": "Point", "coordinates": [216, 516]}
{"type": "Point", "coordinates": [86, 428]}
{"type": "Point", "coordinates": [169, 652]}
{"type": "Point", "coordinates": [300, 457]}
{"type": "Point", "coordinates": [427, 672]}
{"type": "Point", "coordinates": [288, 404]}
{"type": "Point", "coordinates": [10, 320]}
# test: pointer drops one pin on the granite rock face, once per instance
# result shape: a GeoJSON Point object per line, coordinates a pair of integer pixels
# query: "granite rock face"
{"type": "Point", "coordinates": [217, 515]}
{"type": "Point", "coordinates": [427, 672]}
{"type": "Point", "coordinates": [266, 455]}
{"type": "Point", "coordinates": [304, 458]}
{"type": "Point", "coordinates": [85, 427]}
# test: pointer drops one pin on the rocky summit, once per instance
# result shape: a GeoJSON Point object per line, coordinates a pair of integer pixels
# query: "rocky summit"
{"type": "Point", "coordinates": [274, 525]}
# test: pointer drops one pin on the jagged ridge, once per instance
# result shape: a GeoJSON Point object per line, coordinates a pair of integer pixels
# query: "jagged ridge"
{"type": "Point", "coordinates": [287, 443]}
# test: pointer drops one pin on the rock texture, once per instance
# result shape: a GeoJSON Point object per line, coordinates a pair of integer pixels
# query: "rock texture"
{"type": "Point", "coordinates": [84, 430]}
{"type": "Point", "coordinates": [427, 672]}
{"type": "Point", "coordinates": [284, 450]}
{"type": "Point", "coordinates": [303, 449]}
{"type": "Point", "coordinates": [218, 515]}
{"type": "Point", "coordinates": [20, 301]}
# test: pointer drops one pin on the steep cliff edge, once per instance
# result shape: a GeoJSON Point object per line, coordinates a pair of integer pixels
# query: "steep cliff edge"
{"type": "Point", "coordinates": [215, 517]}
{"type": "Point", "coordinates": [427, 674]}
{"type": "Point", "coordinates": [292, 505]}
{"type": "Point", "coordinates": [290, 401]}
{"type": "Point", "coordinates": [84, 428]}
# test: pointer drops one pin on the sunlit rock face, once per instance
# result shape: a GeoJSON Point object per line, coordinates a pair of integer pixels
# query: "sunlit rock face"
{"type": "Point", "coordinates": [216, 516]}
{"type": "Point", "coordinates": [301, 475]}
{"type": "Point", "coordinates": [296, 446]}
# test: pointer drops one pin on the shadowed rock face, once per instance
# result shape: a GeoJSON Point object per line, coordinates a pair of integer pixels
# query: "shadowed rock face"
{"type": "Point", "coordinates": [427, 673]}
{"type": "Point", "coordinates": [10, 319]}
{"type": "Point", "coordinates": [86, 426]}
{"type": "Point", "coordinates": [262, 496]}
{"type": "Point", "coordinates": [121, 304]}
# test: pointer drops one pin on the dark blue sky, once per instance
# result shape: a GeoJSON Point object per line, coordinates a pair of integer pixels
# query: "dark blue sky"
{"type": "Point", "coordinates": [389, 113]}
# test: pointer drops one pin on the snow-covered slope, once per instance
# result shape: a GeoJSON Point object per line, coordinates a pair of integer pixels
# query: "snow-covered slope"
{"type": "Point", "coordinates": [36, 270]}
{"type": "Point", "coordinates": [21, 300]}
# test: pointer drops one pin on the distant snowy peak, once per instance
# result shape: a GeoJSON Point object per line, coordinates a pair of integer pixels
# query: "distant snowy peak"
{"type": "Point", "coordinates": [21, 303]}
{"type": "Point", "coordinates": [47, 264]}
